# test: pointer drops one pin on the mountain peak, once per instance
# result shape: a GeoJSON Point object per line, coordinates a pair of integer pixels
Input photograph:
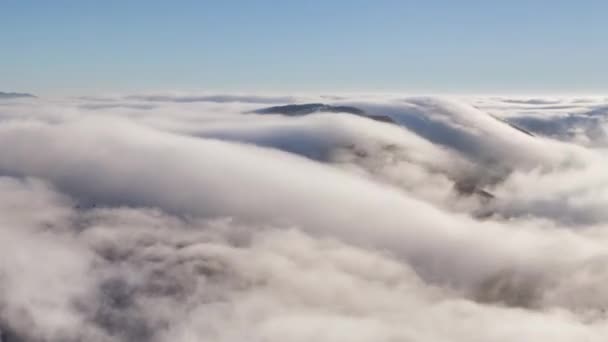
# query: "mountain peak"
{"type": "Point", "coordinates": [4, 95]}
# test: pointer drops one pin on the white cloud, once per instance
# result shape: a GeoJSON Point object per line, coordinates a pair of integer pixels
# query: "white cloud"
{"type": "Point", "coordinates": [186, 220]}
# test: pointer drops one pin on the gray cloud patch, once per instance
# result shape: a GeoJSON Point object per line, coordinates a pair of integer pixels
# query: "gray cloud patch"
{"type": "Point", "coordinates": [212, 98]}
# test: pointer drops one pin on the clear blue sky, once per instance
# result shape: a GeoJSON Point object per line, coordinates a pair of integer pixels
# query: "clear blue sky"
{"type": "Point", "coordinates": [460, 46]}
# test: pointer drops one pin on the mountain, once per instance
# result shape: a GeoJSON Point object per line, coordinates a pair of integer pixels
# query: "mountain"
{"type": "Point", "coordinates": [310, 108]}
{"type": "Point", "coordinates": [15, 95]}
{"type": "Point", "coordinates": [513, 125]}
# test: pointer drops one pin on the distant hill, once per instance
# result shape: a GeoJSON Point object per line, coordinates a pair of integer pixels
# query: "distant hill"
{"type": "Point", "coordinates": [309, 108]}
{"type": "Point", "coordinates": [15, 95]}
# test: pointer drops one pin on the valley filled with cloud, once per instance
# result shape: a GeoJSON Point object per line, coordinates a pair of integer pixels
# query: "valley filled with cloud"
{"type": "Point", "coordinates": [335, 217]}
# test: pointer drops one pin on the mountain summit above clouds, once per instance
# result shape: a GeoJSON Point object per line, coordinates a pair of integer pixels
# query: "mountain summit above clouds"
{"type": "Point", "coordinates": [4, 95]}
{"type": "Point", "coordinates": [310, 108]}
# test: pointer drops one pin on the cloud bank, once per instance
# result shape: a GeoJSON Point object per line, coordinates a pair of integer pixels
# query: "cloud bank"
{"type": "Point", "coordinates": [187, 218]}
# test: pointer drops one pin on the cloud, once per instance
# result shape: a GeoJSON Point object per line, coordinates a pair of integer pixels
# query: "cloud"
{"type": "Point", "coordinates": [220, 98]}
{"type": "Point", "coordinates": [181, 221]}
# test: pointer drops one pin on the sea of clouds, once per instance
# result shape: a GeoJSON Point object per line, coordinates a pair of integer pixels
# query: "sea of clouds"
{"type": "Point", "coordinates": [180, 217]}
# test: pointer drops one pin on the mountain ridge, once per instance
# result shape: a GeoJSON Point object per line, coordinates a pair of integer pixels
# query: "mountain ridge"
{"type": "Point", "coordinates": [14, 95]}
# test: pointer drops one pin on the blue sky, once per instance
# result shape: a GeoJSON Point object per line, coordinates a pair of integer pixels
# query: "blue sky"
{"type": "Point", "coordinates": [412, 46]}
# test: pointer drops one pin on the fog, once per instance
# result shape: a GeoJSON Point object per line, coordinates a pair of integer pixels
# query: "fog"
{"type": "Point", "coordinates": [189, 217]}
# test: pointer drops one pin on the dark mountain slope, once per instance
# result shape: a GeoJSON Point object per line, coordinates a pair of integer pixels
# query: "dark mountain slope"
{"type": "Point", "coordinates": [310, 108]}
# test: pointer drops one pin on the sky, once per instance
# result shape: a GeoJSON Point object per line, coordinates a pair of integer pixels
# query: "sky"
{"type": "Point", "coordinates": [81, 47]}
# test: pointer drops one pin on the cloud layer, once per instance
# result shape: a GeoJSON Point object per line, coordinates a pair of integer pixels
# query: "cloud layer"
{"type": "Point", "coordinates": [189, 217]}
